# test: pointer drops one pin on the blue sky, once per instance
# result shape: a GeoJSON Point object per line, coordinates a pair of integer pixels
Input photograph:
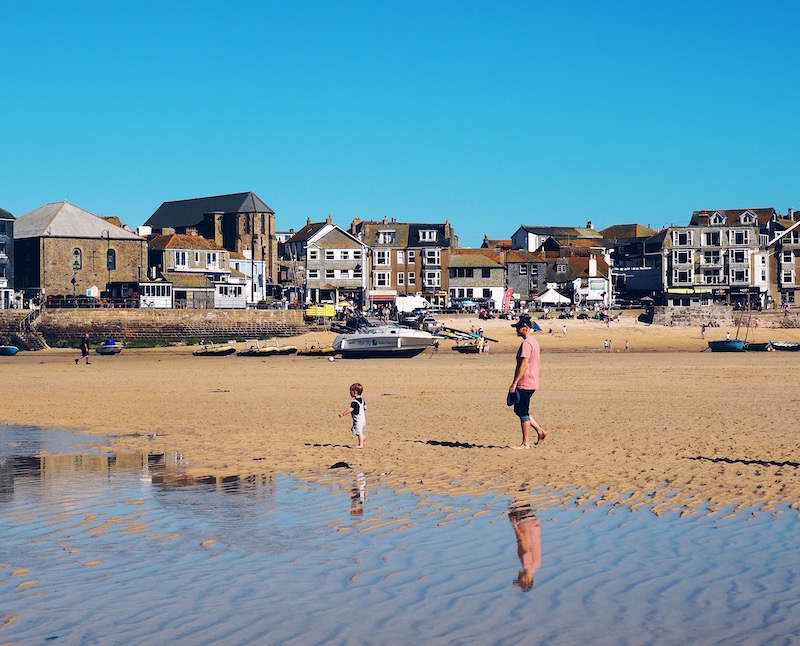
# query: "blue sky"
{"type": "Point", "coordinates": [489, 114]}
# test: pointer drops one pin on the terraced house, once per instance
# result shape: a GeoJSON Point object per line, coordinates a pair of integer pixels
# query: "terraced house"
{"type": "Point", "coordinates": [408, 259]}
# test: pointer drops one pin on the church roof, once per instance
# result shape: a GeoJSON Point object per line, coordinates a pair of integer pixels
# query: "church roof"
{"type": "Point", "coordinates": [187, 213]}
{"type": "Point", "coordinates": [65, 220]}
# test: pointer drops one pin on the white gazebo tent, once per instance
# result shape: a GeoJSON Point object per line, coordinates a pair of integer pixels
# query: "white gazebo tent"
{"type": "Point", "coordinates": [552, 297]}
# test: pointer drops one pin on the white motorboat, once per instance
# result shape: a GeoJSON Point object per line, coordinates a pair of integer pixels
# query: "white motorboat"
{"type": "Point", "coordinates": [382, 341]}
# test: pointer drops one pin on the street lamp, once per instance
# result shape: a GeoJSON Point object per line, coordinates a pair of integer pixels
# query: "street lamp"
{"type": "Point", "coordinates": [108, 260]}
{"type": "Point", "coordinates": [75, 267]}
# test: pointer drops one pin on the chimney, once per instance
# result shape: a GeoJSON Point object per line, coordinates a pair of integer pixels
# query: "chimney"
{"type": "Point", "coordinates": [385, 220]}
{"type": "Point", "coordinates": [328, 220]}
{"type": "Point", "coordinates": [589, 225]}
{"type": "Point", "coordinates": [791, 213]}
{"type": "Point", "coordinates": [308, 221]}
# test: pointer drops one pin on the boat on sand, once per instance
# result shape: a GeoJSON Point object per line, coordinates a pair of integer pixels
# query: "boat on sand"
{"type": "Point", "coordinates": [374, 341]}
{"type": "Point", "coordinates": [211, 349]}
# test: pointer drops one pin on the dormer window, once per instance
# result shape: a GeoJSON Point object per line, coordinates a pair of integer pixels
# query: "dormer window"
{"type": "Point", "coordinates": [747, 218]}
{"type": "Point", "coordinates": [717, 219]}
{"type": "Point", "coordinates": [387, 237]}
{"type": "Point", "coordinates": [427, 235]}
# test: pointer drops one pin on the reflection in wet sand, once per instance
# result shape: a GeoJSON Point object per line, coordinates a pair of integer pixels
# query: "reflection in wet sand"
{"type": "Point", "coordinates": [151, 557]}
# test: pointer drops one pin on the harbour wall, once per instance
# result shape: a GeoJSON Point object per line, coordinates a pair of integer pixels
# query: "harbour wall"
{"type": "Point", "coordinates": [133, 324]}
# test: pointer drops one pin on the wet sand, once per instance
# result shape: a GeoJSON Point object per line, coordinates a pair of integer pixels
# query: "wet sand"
{"type": "Point", "coordinates": [664, 426]}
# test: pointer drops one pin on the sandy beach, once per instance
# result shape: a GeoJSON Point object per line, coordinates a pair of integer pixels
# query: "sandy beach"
{"type": "Point", "coordinates": [665, 426]}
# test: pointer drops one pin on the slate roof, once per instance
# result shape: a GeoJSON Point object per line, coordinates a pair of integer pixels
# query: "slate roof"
{"type": "Point", "coordinates": [580, 232]}
{"type": "Point", "coordinates": [732, 216]}
{"type": "Point", "coordinates": [187, 281]}
{"type": "Point", "coordinates": [65, 220]}
{"type": "Point", "coordinates": [522, 255]}
{"type": "Point", "coordinates": [187, 213]}
{"type": "Point", "coordinates": [306, 233]}
{"type": "Point", "coordinates": [5, 215]}
{"type": "Point", "coordinates": [623, 231]}
{"type": "Point", "coordinates": [182, 241]}
{"type": "Point", "coordinates": [473, 260]}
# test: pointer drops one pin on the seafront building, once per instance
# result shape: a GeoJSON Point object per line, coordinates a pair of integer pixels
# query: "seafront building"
{"type": "Point", "coordinates": [7, 298]}
{"type": "Point", "coordinates": [225, 252]}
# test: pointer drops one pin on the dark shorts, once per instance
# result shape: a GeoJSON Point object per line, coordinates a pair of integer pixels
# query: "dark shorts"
{"type": "Point", "coordinates": [523, 406]}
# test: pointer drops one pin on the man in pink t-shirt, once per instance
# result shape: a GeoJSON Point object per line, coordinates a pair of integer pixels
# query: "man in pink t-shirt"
{"type": "Point", "coordinates": [526, 381]}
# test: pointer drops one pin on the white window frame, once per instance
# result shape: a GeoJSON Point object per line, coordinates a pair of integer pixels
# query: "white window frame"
{"type": "Point", "coordinates": [344, 254]}
{"type": "Point", "coordinates": [740, 276]}
{"type": "Point", "coordinates": [401, 278]}
{"type": "Point", "coordinates": [412, 256]}
{"type": "Point", "coordinates": [677, 276]}
{"type": "Point", "coordinates": [427, 235]}
{"type": "Point", "coordinates": [382, 278]}
{"type": "Point", "coordinates": [401, 256]}
{"type": "Point", "coordinates": [735, 234]}
{"type": "Point", "coordinates": [383, 258]}
{"type": "Point", "coordinates": [739, 256]}
{"type": "Point", "coordinates": [787, 256]}
{"type": "Point", "coordinates": [313, 254]}
{"type": "Point", "coordinates": [330, 254]}
{"type": "Point", "coordinates": [181, 259]}
{"type": "Point", "coordinates": [682, 256]}
{"type": "Point", "coordinates": [711, 239]}
{"type": "Point", "coordinates": [412, 278]}
{"type": "Point", "coordinates": [433, 256]}
{"type": "Point", "coordinates": [386, 237]}
{"type": "Point", "coordinates": [312, 274]}
{"type": "Point", "coordinates": [787, 277]}
{"type": "Point", "coordinates": [682, 238]}
{"type": "Point", "coordinates": [330, 273]}
{"type": "Point", "coordinates": [432, 278]}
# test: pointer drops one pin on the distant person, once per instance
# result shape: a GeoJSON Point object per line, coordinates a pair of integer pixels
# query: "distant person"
{"type": "Point", "coordinates": [605, 345]}
{"type": "Point", "coordinates": [84, 350]}
{"type": "Point", "coordinates": [564, 331]}
{"type": "Point", "coordinates": [627, 346]}
{"type": "Point", "coordinates": [727, 336]}
{"type": "Point", "coordinates": [527, 529]}
{"type": "Point", "coordinates": [525, 383]}
{"type": "Point", "coordinates": [358, 410]}
{"type": "Point", "coordinates": [703, 331]}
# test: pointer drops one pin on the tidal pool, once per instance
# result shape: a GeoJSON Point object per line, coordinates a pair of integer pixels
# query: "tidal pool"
{"type": "Point", "coordinates": [102, 549]}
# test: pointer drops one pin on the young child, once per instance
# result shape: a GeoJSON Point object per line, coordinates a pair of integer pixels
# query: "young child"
{"type": "Point", "coordinates": [358, 410]}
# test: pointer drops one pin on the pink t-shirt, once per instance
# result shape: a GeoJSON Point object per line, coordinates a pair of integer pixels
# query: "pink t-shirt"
{"type": "Point", "coordinates": [529, 348]}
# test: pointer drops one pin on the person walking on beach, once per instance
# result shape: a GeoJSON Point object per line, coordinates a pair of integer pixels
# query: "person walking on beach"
{"type": "Point", "coordinates": [84, 350]}
{"type": "Point", "coordinates": [525, 383]}
{"type": "Point", "coordinates": [358, 410]}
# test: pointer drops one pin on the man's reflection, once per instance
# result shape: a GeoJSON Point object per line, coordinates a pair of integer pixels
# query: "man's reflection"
{"type": "Point", "coordinates": [358, 494]}
{"type": "Point", "coordinates": [529, 544]}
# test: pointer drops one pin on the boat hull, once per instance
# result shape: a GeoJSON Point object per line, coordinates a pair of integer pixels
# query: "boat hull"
{"type": "Point", "coordinates": [221, 351]}
{"type": "Point", "coordinates": [108, 349]}
{"type": "Point", "coordinates": [729, 345]}
{"type": "Point", "coordinates": [785, 346]}
{"type": "Point", "coordinates": [758, 347]}
{"type": "Point", "coordinates": [383, 342]}
{"type": "Point", "coordinates": [8, 350]}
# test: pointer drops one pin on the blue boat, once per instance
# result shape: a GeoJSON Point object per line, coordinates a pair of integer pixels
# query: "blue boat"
{"type": "Point", "coordinates": [8, 350]}
{"type": "Point", "coordinates": [727, 345]}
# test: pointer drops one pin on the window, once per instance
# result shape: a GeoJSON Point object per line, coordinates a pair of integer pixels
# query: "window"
{"type": "Point", "coordinates": [469, 292]}
{"type": "Point", "coordinates": [330, 254]}
{"type": "Point", "coordinates": [739, 237]}
{"type": "Point", "coordinates": [2, 249]}
{"type": "Point", "coordinates": [787, 256]}
{"type": "Point", "coordinates": [739, 256]}
{"type": "Point", "coordinates": [787, 277]}
{"type": "Point", "coordinates": [561, 269]}
{"type": "Point", "coordinates": [682, 257]}
{"type": "Point", "coordinates": [432, 278]}
{"type": "Point", "coordinates": [181, 259]}
{"type": "Point", "coordinates": [401, 278]}
{"type": "Point", "coordinates": [711, 258]}
{"type": "Point", "coordinates": [401, 257]}
{"type": "Point", "coordinates": [344, 273]}
{"type": "Point", "coordinates": [682, 238]}
{"type": "Point", "coordinates": [412, 256]}
{"type": "Point", "coordinates": [313, 254]}
{"type": "Point", "coordinates": [312, 273]}
{"type": "Point", "coordinates": [111, 260]}
{"type": "Point", "coordinates": [387, 237]}
{"type": "Point", "coordinates": [681, 276]}
{"type": "Point", "coordinates": [382, 278]}
{"type": "Point", "coordinates": [356, 254]}
{"type": "Point", "coordinates": [427, 235]}
{"type": "Point", "coordinates": [740, 276]}
{"type": "Point", "coordinates": [748, 218]}
{"type": "Point", "coordinates": [485, 272]}
{"type": "Point", "coordinates": [717, 219]}
{"type": "Point", "coordinates": [197, 257]}
{"type": "Point", "coordinates": [357, 272]}
{"type": "Point", "coordinates": [383, 258]}
{"type": "Point", "coordinates": [461, 272]}
{"type": "Point", "coordinates": [710, 277]}
{"type": "Point", "coordinates": [77, 259]}
{"type": "Point", "coordinates": [212, 260]}
{"type": "Point", "coordinates": [345, 255]}
{"type": "Point", "coordinates": [412, 278]}
{"type": "Point", "coordinates": [432, 256]}
{"type": "Point", "coordinates": [487, 293]}
{"type": "Point", "coordinates": [330, 273]}
{"type": "Point", "coordinates": [2, 228]}
{"type": "Point", "coordinates": [523, 270]}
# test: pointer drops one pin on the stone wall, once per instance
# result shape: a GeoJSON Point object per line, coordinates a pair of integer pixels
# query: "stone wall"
{"type": "Point", "coordinates": [170, 324]}
{"type": "Point", "coordinates": [10, 320]}
{"type": "Point", "coordinates": [693, 316]}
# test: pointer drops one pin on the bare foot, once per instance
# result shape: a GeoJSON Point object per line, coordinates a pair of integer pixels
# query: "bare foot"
{"type": "Point", "coordinates": [359, 447]}
{"type": "Point", "coordinates": [521, 447]}
{"type": "Point", "coordinates": [540, 437]}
